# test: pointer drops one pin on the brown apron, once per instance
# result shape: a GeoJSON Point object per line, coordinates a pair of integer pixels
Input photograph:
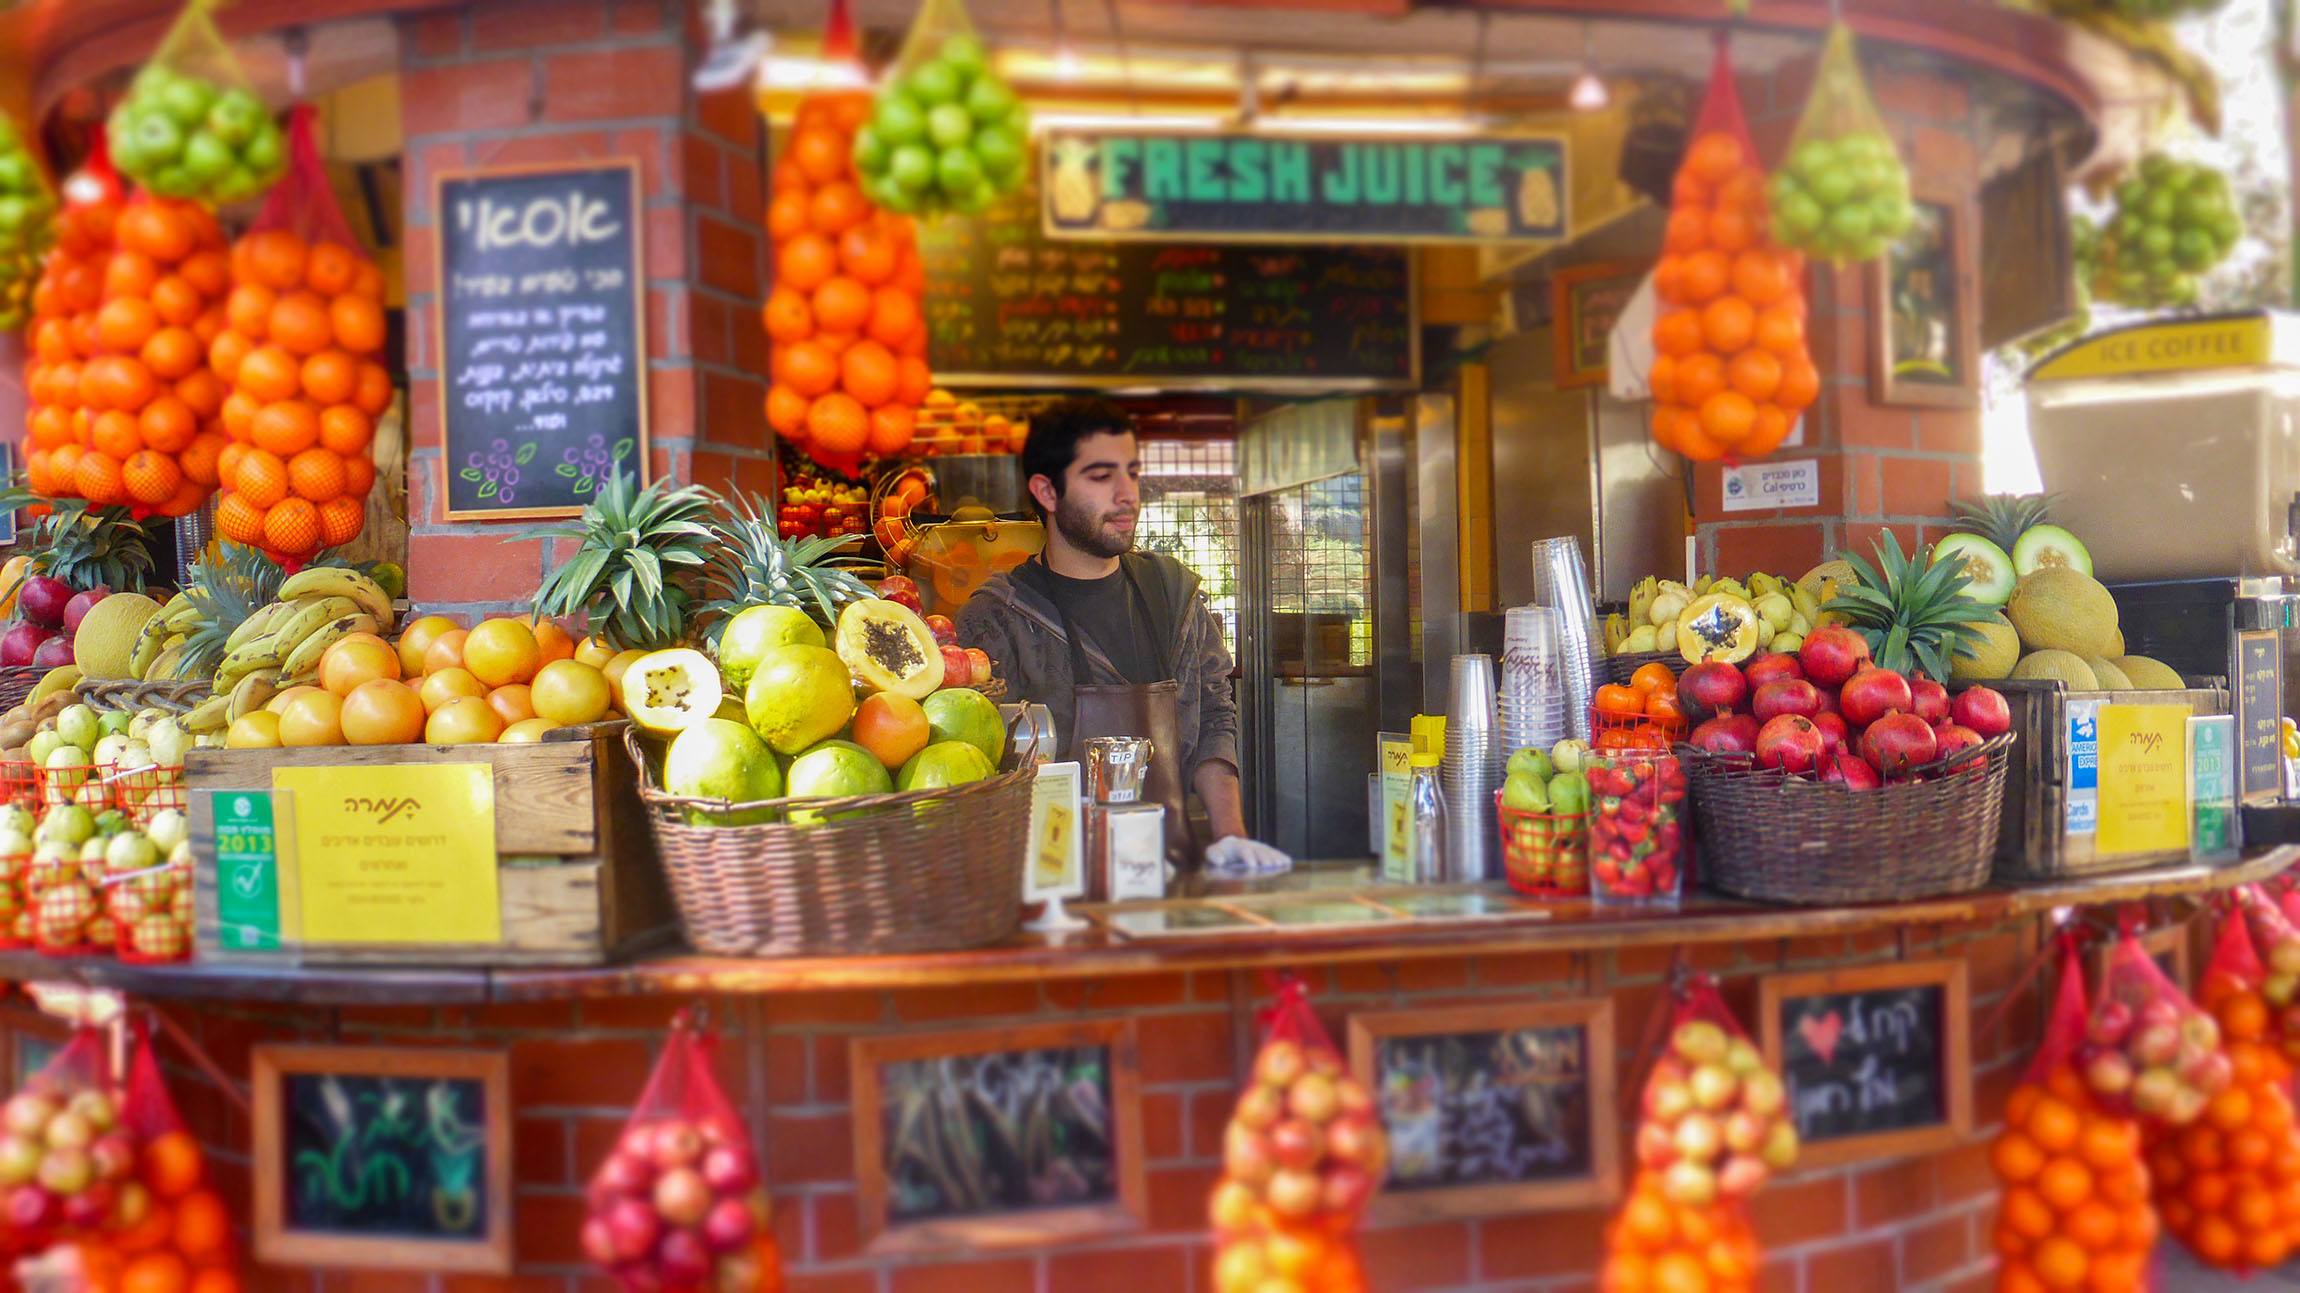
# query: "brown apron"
{"type": "Point", "coordinates": [1139, 710]}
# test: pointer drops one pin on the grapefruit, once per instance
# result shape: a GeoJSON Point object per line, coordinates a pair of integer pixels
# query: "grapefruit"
{"type": "Point", "coordinates": [833, 770]}
{"type": "Point", "coordinates": [382, 711]}
{"type": "Point", "coordinates": [797, 696]}
{"type": "Point", "coordinates": [754, 631]}
{"type": "Point", "coordinates": [416, 639]}
{"type": "Point", "coordinates": [716, 759]}
{"type": "Point", "coordinates": [945, 763]}
{"type": "Point", "coordinates": [569, 692]}
{"type": "Point", "coordinates": [963, 714]}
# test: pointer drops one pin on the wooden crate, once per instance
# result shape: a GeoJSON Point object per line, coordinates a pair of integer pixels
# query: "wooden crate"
{"type": "Point", "coordinates": [577, 870]}
{"type": "Point", "coordinates": [2033, 842]}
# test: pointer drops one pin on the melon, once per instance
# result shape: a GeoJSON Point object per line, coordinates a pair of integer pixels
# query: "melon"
{"type": "Point", "coordinates": [2111, 678]}
{"type": "Point", "coordinates": [2062, 665]}
{"type": "Point", "coordinates": [2059, 609]}
{"type": "Point", "coordinates": [1989, 656]}
{"type": "Point", "coordinates": [107, 634]}
{"type": "Point", "coordinates": [2147, 674]}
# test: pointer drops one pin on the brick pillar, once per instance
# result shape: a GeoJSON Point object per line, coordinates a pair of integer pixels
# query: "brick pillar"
{"type": "Point", "coordinates": [1881, 466]}
{"type": "Point", "coordinates": [506, 82]}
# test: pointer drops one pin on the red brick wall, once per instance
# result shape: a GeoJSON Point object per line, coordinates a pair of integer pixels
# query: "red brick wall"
{"type": "Point", "coordinates": [1881, 466]}
{"type": "Point", "coordinates": [1919, 1225]}
{"type": "Point", "coordinates": [527, 81]}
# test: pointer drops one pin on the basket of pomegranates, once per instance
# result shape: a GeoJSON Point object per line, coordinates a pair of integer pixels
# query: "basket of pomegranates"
{"type": "Point", "coordinates": [1821, 779]}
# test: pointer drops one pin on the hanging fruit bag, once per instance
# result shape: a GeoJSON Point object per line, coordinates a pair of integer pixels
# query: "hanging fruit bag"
{"type": "Point", "coordinates": [66, 1159]}
{"type": "Point", "coordinates": [302, 346]}
{"type": "Point", "coordinates": [27, 224]}
{"type": "Point", "coordinates": [1842, 193]}
{"type": "Point", "coordinates": [192, 125]}
{"type": "Point", "coordinates": [1730, 371]}
{"type": "Point", "coordinates": [2075, 1191]}
{"type": "Point", "coordinates": [679, 1204]}
{"type": "Point", "coordinates": [1301, 1158]}
{"type": "Point", "coordinates": [946, 132]}
{"type": "Point", "coordinates": [170, 1219]}
{"type": "Point", "coordinates": [2148, 1049]}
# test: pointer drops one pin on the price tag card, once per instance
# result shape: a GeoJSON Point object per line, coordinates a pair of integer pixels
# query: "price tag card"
{"type": "Point", "coordinates": [1057, 865]}
{"type": "Point", "coordinates": [2143, 778]}
{"type": "Point", "coordinates": [1397, 752]}
{"type": "Point", "coordinates": [248, 907]}
{"type": "Point", "coordinates": [396, 853]}
{"type": "Point", "coordinates": [2212, 784]}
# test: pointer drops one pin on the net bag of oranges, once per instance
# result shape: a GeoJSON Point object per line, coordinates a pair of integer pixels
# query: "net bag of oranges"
{"type": "Point", "coordinates": [304, 330]}
{"type": "Point", "coordinates": [192, 125]}
{"type": "Point", "coordinates": [2148, 1049]}
{"type": "Point", "coordinates": [1842, 192]}
{"type": "Point", "coordinates": [1301, 1158]}
{"type": "Point", "coordinates": [2075, 1212]}
{"type": "Point", "coordinates": [123, 408]}
{"type": "Point", "coordinates": [2228, 1184]}
{"type": "Point", "coordinates": [678, 1203]}
{"type": "Point", "coordinates": [846, 333]}
{"type": "Point", "coordinates": [946, 132]}
{"type": "Point", "coordinates": [1730, 371]}
{"type": "Point", "coordinates": [170, 1228]}
{"type": "Point", "coordinates": [1713, 1127]}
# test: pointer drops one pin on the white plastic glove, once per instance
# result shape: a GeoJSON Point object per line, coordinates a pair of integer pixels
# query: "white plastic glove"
{"type": "Point", "coordinates": [1237, 855]}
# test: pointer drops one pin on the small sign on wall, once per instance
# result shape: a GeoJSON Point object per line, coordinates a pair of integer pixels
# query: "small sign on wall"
{"type": "Point", "coordinates": [1877, 1059]}
{"type": "Point", "coordinates": [1764, 486]}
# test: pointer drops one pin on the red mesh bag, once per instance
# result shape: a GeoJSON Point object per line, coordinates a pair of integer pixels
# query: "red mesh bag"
{"type": "Point", "coordinates": [2075, 1206]}
{"type": "Point", "coordinates": [301, 348]}
{"type": "Point", "coordinates": [1714, 1125]}
{"type": "Point", "coordinates": [1731, 372]}
{"type": "Point", "coordinates": [2228, 1186]}
{"type": "Point", "coordinates": [171, 1217]}
{"type": "Point", "coordinates": [64, 1154]}
{"type": "Point", "coordinates": [2276, 938]}
{"type": "Point", "coordinates": [679, 1204]}
{"type": "Point", "coordinates": [2148, 1049]}
{"type": "Point", "coordinates": [1301, 1158]}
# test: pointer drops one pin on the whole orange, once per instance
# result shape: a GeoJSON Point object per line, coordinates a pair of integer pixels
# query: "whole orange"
{"type": "Point", "coordinates": [454, 683]}
{"type": "Point", "coordinates": [892, 728]}
{"type": "Point", "coordinates": [383, 711]}
{"type": "Point", "coordinates": [499, 652]}
{"type": "Point", "coordinates": [465, 720]}
{"type": "Point", "coordinates": [354, 660]}
{"type": "Point", "coordinates": [314, 718]}
{"type": "Point", "coordinates": [570, 692]}
{"type": "Point", "coordinates": [416, 639]}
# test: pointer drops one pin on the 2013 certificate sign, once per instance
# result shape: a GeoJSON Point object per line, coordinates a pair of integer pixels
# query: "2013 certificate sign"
{"type": "Point", "coordinates": [1267, 184]}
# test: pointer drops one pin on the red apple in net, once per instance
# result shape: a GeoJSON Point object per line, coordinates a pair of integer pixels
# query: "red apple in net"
{"type": "Point", "coordinates": [31, 1208]}
{"type": "Point", "coordinates": [1294, 1194]}
{"type": "Point", "coordinates": [1780, 1151]}
{"type": "Point", "coordinates": [634, 1227]}
{"type": "Point", "coordinates": [66, 1171]}
{"type": "Point", "coordinates": [1777, 667]}
{"type": "Point", "coordinates": [729, 1225]}
{"type": "Point", "coordinates": [92, 1207]}
{"type": "Point", "coordinates": [1928, 699]}
{"type": "Point", "coordinates": [133, 1204]}
{"type": "Point", "coordinates": [1726, 734]}
{"type": "Point", "coordinates": [1745, 1131]}
{"type": "Point", "coordinates": [1313, 1097]}
{"type": "Point", "coordinates": [1763, 1093]}
{"type": "Point", "coordinates": [1352, 1139]}
{"type": "Point", "coordinates": [113, 1156]}
{"type": "Point", "coordinates": [1346, 1190]}
{"type": "Point", "coordinates": [1788, 696]}
{"type": "Point", "coordinates": [1260, 1108]}
{"type": "Point", "coordinates": [728, 1169]}
{"type": "Point", "coordinates": [1713, 687]}
{"type": "Point", "coordinates": [675, 1144]}
{"type": "Point", "coordinates": [1667, 1100]}
{"type": "Point", "coordinates": [1832, 654]}
{"type": "Point", "coordinates": [1357, 1102]}
{"type": "Point", "coordinates": [682, 1197]}
{"type": "Point", "coordinates": [1656, 1146]}
{"type": "Point", "coordinates": [624, 1174]}
{"type": "Point", "coordinates": [1898, 743]}
{"type": "Point", "coordinates": [1983, 709]}
{"type": "Point", "coordinates": [1297, 1143]}
{"type": "Point", "coordinates": [1742, 1175]}
{"type": "Point", "coordinates": [1790, 743]}
{"type": "Point", "coordinates": [684, 1259]}
{"type": "Point", "coordinates": [1690, 1185]}
{"type": "Point", "coordinates": [1713, 1087]}
{"type": "Point", "coordinates": [69, 1130]}
{"type": "Point", "coordinates": [26, 1114]}
{"type": "Point", "coordinates": [598, 1242]}
{"type": "Point", "coordinates": [2109, 1023]}
{"type": "Point", "coordinates": [1247, 1155]}
{"type": "Point", "coordinates": [1233, 1206]}
{"type": "Point", "coordinates": [1871, 694]}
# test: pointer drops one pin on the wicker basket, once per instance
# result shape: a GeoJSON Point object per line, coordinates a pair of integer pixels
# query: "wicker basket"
{"type": "Point", "coordinates": [132, 694]}
{"type": "Point", "coordinates": [17, 682]}
{"type": "Point", "coordinates": [921, 871]}
{"type": "Point", "coordinates": [1775, 838]}
{"type": "Point", "coordinates": [1620, 668]}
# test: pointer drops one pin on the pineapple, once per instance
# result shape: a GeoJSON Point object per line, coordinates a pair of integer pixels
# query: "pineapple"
{"type": "Point", "coordinates": [639, 550]}
{"type": "Point", "coordinates": [756, 567]}
{"type": "Point", "coordinates": [224, 591]}
{"type": "Point", "coordinates": [1913, 610]}
{"type": "Point", "coordinates": [2002, 518]}
{"type": "Point", "coordinates": [1075, 192]}
{"type": "Point", "coordinates": [85, 545]}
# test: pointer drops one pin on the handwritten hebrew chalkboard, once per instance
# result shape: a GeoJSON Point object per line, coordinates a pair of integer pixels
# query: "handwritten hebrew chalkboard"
{"type": "Point", "coordinates": [2260, 702]}
{"type": "Point", "coordinates": [542, 336]}
{"type": "Point", "coordinates": [1874, 1058]}
{"type": "Point", "coordinates": [1492, 1108]}
{"type": "Point", "coordinates": [376, 1156]}
{"type": "Point", "coordinates": [961, 1136]}
{"type": "Point", "coordinates": [1006, 305]}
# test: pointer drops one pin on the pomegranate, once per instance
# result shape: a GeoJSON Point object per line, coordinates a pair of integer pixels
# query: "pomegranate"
{"type": "Point", "coordinates": [43, 599]}
{"type": "Point", "coordinates": [1789, 742]}
{"type": "Point", "coordinates": [1712, 687]}
{"type": "Point", "coordinates": [1777, 667]}
{"type": "Point", "coordinates": [77, 609]}
{"type": "Point", "coordinates": [1834, 735]}
{"type": "Point", "coordinates": [1982, 709]}
{"type": "Point", "coordinates": [1851, 771]}
{"type": "Point", "coordinates": [22, 642]}
{"type": "Point", "coordinates": [1898, 744]}
{"type": "Point", "coordinates": [1829, 701]}
{"type": "Point", "coordinates": [53, 652]}
{"type": "Point", "coordinates": [1949, 738]}
{"type": "Point", "coordinates": [1872, 694]}
{"type": "Point", "coordinates": [1727, 734]}
{"type": "Point", "coordinates": [1832, 654]}
{"type": "Point", "coordinates": [1928, 699]}
{"type": "Point", "coordinates": [1788, 696]}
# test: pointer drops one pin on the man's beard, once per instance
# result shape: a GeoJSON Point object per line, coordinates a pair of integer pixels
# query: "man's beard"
{"type": "Point", "coordinates": [1089, 533]}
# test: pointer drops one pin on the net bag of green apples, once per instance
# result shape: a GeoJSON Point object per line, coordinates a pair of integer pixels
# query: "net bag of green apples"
{"type": "Point", "coordinates": [27, 224]}
{"type": "Point", "coordinates": [192, 125]}
{"type": "Point", "coordinates": [679, 1202]}
{"type": "Point", "coordinates": [946, 132]}
{"type": "Point", "coordinates": [1301, 1158]}
{"type": "Point", "coordinates": [1715, 1126]}
{"type": "Point", "coordinates": [1841, 192]}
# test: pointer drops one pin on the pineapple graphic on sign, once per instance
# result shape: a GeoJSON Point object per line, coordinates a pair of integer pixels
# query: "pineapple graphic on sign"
{"type": "Point", "coordinates": [1075, 192]}
{"type": "Point", "coordinates": [1537, 197]}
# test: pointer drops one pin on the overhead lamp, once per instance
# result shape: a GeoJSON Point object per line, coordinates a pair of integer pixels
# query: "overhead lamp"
{"type": "Point", "coordinates": [1588, 93]}
{"type": "Point", "coordinates": [1067, 65]}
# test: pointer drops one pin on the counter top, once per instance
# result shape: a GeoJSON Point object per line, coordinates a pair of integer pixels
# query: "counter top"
{"type": "Point", "coordinates": [1098, 952]}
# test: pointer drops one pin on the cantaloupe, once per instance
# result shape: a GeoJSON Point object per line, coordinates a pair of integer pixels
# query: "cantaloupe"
{"type": "Point", "coordinates": [2110, 677]}
{"type": "Point", "coordinates": [2147, 674]}
{"type": "Point", "coordinates": [2068, 668]}
{"type": "Point", "coordinates": [107, 634]}
{"type": "Point", "coordinates": [1994, 653]}
{"type": "Point", "coordinates": [2058, 609]}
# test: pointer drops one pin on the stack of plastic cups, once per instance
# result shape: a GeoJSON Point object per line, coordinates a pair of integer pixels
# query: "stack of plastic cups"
{"type": "Point", "coordinates": [1471, 773]}
{"type": "Point", "coordinates": [1561, 583]}
{"type": "Point", "coordinates": [1533, 700]}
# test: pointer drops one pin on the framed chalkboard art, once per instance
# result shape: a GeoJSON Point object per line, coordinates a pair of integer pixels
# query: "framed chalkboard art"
{"type": "Point", "coordinates": [540, 323]}
{"type": "Point", "coordinates": [1878, 1059]}
{"type": "Point", "coordinates": [1492, 1109]}
{"type": "Point", "coordinates": [1924, 304]}
{"type": "Point", "coordinates": [382, 1157]}
{"type": "Point", "coordinates": [998, 1137]}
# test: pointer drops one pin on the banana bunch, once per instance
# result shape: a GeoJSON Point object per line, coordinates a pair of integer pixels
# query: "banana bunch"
{"type": "Point", "coordinates": [1785, 612]}
{"type": "Point", "coordinates": [280, 645]}
{"type": "Point", "coordinates": [158, 653]}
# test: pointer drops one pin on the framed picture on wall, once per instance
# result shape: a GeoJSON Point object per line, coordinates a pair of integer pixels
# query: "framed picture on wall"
{"type": "Point", "coordinates": [1923, 299]}
{"type": "Point", "coordinates": [9, 465]}
{"type": "Point", "coordinates": [1585, 302]}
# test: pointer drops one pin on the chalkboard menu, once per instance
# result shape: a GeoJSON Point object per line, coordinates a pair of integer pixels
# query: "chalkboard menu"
{"type": "Point", "coordinates": [1492, 1108]}
{"type": "Point", "coordinates": [377, 1156]}
{"type": "Point", "coordinates": [962, 1136]}
{"type": "Point", "coordinates": [1005, 305]}
{"type": "Point", "coordinates": [1875, 1059]}
{"type": "Point", "coordinates": [2260, 707]}
{"type": "Point", "coordinates": [542, 336]}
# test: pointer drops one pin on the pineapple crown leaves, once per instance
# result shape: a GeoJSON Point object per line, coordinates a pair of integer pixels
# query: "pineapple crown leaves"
{"type": "Point", "coordinates": [1911, 609]}
{"type": "Point", "coordinates": [638, 553]}
{"type": "Point", "coordinates": [83, 544]}
{"type": "Point", "coordinates": [754, 566]}
{"type": "Point", "coordinates": [226, 588]}
{"type": "Point", "coordinates": [2003, 518]}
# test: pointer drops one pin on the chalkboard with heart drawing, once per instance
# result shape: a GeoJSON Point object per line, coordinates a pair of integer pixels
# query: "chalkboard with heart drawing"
{"type": "Point", "coordinates": [1877, 1059]}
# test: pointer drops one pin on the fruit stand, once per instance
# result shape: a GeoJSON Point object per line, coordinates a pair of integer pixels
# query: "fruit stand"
{"type": "Point", "coordinates": [472, 813]}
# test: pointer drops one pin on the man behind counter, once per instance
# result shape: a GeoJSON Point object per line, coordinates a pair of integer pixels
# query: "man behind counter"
{"type": "Point", "coordinates": [1113, 641]}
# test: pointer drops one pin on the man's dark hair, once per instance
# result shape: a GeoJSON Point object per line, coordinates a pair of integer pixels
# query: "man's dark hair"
{"type": "Point", "coordinates": [1054, 435]}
